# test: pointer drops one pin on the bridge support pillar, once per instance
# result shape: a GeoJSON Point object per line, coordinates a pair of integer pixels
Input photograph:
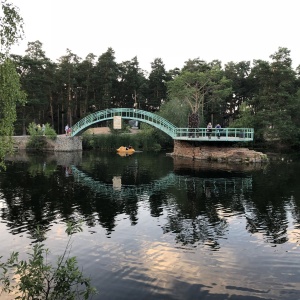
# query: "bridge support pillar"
{"type": "Point", "coordinates": [68, 143]}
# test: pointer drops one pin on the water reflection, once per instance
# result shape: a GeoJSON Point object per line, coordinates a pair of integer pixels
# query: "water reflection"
{"type": "Point", "coordinates": [198, 199]}
{"type": "Point", "coordinates": [163, 227]}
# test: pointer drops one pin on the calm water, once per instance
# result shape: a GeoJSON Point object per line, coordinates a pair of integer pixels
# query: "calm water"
{"type": "Point", "coordinates": [161, 228]}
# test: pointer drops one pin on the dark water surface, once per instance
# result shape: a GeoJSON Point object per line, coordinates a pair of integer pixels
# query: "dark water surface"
{"type": "Point", "coordinates": [156, 227]}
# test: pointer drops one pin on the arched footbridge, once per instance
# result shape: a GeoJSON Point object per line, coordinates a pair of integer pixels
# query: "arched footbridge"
{"type": "Point", "coordinates": [176, 133]}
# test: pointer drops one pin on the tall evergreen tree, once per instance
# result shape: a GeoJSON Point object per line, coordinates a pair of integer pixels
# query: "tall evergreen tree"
{"type": "Point", "coordinates": [273, 99]}
{"type": "Point", "coordinates": [238, 73]}
{"type": "Point", "coordinates": [67, 76]}
{"type": "Point", "coordinates": [36, 74]}
{"type": "Point", "coordinates": [157, 85]}
{"type": "Point", "coordinates": [106, 80]}
{"type": "Point", "coordinates": [133, 84]}
{"type": "Point", "coordinates": [86, 87]}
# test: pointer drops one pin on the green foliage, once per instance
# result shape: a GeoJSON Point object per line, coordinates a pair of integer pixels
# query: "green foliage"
{"type": "Point", "coordinates": [106, 79]}
{"type": "Point", "coordinates": [204, 92]}
{"type": "Point", "coordinates": [10, 94]}
{"type": "Point", "coordinates": [11, 26]}
{"type": "Point", "coordinates": [47, 169]}
{"type": "Point", "coordinates": [38, 136]}
{"type": "Point", "coordinates": [157, 84]}
{"type": "Point", "coordinates": [37, 130]}
{"type": "Point", "coordinates": [272, 108]}
{"type": "Point", "coordinates": [11, 30]}
{"type": "Point", "coordinates": [176, 112]}
{"type": "Point", "coordinates": [36, 278]}
{"type": "Point", "coordinates": [147, 139]}
{"type": "Point", "coordinates": [107, 142]}
{"type": "Point", "coordinates": [36, 143]}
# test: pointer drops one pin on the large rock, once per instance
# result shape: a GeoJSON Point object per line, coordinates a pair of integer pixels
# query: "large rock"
{"type": "Point", "coordinates": [219, 154]}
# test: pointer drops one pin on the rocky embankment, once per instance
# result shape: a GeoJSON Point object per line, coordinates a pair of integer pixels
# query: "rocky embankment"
{"type": "Point", "coordinates": [218, 154]}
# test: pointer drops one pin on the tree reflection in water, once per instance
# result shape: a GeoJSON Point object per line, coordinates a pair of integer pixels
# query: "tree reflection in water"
{"type": "Point", "coordinates": [161, 227]}
{"type": "Point", "coordinates": [197, 198]}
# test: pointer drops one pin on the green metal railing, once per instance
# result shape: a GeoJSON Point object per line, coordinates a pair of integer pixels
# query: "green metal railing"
{"type": "Point", "coordinates": [200, 134]}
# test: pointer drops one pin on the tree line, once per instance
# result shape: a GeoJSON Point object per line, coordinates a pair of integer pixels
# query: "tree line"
{"type": "Point", "coordinates": [264, 95]}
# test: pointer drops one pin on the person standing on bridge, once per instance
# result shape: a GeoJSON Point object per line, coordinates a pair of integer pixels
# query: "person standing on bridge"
{"type": "Point", "coordinates": [218, 130]}
{"type": "Point", "coordinates": [209, 130]}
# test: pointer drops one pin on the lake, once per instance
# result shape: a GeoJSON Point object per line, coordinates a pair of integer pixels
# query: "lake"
{"type": "Point", "coordinates": [158, 227]}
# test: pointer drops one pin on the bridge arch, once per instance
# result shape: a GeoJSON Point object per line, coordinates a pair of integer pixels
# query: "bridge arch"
{"type": "Point", "coordinates": [184, 134]}
{"type": "Point", "coordinates": [125, 113]}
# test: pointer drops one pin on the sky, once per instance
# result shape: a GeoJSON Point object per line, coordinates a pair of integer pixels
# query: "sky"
{"type": "Point", "coordinates": [173, 30]}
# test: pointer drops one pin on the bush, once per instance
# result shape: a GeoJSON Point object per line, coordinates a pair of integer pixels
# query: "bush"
{"type": "Point", "coordinates": [39, 134]}
{"type": "Point", "coordinates": [36, 142]}
{"type": "Point", "coordinates": [36, 278]}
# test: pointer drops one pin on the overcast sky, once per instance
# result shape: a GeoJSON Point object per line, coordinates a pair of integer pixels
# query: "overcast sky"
{"type": "Point", "coordinates": [173, 30]}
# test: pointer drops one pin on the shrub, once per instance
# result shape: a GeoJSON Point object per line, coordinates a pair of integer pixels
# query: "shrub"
{"type": "Point", "coordinates": [39, 134]}
{"type": "Point", "coordinates": [36, 142]}
{"type": "Point", "coordinates": [37, 130]}
{"type": "Point", "coordinates": [36, 278]}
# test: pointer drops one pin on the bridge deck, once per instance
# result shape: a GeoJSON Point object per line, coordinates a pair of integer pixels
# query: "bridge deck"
{"type": "Point", "coordinates": [214, 139]}
{"type": "Point", "coordinates": [217, 135]}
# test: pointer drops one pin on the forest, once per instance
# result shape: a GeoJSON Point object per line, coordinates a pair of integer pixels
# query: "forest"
{"type": "Point", "coordinates": [259, 94]}
{"type": "Point", "coordinates": [264, 95]}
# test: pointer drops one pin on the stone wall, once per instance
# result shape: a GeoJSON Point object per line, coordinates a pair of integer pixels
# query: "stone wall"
{"type": "Point", "coordinates": [67, 143]}
{"type": "Point", "coordinates": [219, 154]}
{"type": "Point", "coordinates": [61, 143]}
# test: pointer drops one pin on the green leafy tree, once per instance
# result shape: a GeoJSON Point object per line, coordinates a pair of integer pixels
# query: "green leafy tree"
{"type": "Point", "coordinates": [176, 112]}
{"type": "Point", "coordinates": [11, 29]}
{"type": "Point", "coordinates": [203, 92]}
{"type": "Point", "coordinates": [37, 278]}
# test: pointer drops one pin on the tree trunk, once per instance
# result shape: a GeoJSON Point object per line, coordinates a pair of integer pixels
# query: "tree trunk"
{"type": "Point", "coordinates": [193, 120]}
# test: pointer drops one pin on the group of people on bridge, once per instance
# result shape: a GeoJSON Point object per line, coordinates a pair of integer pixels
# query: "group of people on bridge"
{"type": "Point", "coordinates": [209, 130]}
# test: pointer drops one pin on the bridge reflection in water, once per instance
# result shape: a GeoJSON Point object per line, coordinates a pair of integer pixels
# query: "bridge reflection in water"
{"type": "Point", "coordinates": [231, 185]}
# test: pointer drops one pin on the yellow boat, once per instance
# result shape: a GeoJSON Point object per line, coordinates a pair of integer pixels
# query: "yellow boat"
{"type": "Point", "coordinates": [127, 150]}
